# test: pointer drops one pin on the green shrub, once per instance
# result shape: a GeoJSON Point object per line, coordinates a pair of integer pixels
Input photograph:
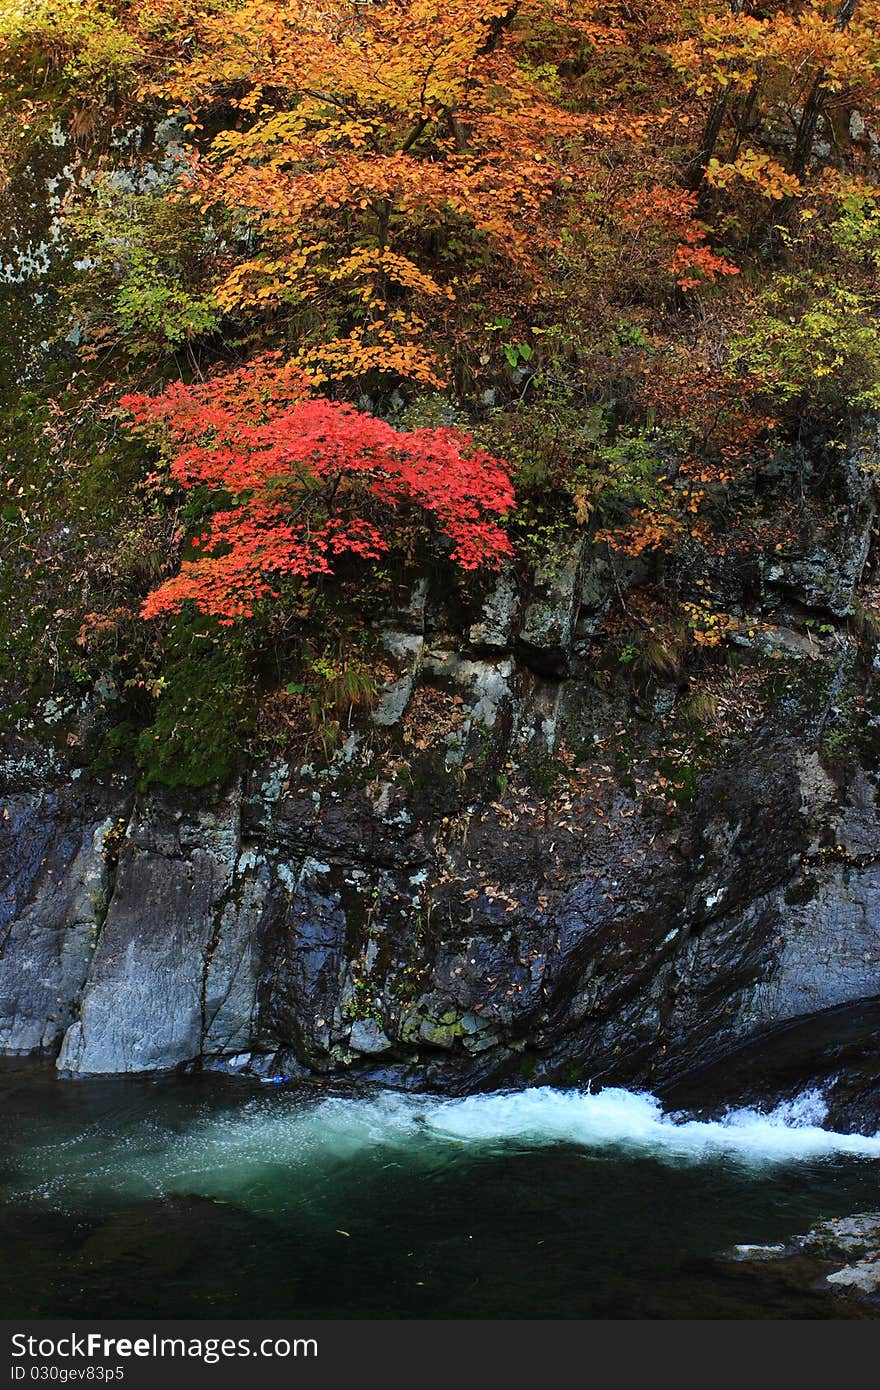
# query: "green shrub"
{"type": "Point", "coordinates": [202, 712]}
{"type": "Point", "coordinates": [814, 343]}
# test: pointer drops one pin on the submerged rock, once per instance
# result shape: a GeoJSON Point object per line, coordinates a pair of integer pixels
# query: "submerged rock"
{"type": "Point", "coordinates": [841, 1256]}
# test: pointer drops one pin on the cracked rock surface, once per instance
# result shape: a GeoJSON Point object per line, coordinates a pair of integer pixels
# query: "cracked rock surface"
{"type": "Point", "coordinates": [504, 892]}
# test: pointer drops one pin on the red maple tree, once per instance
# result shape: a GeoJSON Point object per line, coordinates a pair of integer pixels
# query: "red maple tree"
{"type": "Point", "coordinates": [302, 482]}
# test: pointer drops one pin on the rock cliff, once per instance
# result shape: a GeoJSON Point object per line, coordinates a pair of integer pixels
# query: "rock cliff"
{"type": "Point", "coordinates": [523, 866]}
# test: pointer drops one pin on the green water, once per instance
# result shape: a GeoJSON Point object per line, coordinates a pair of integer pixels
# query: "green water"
{"type": "Point", "coordinates": [206, 1197]}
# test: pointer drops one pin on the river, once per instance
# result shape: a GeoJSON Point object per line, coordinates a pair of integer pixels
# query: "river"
{"type": "Point", "coordinates": [202, 1196]}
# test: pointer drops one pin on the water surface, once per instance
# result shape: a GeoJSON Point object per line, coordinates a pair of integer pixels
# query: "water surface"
{"type": "Point", "coordinates": [203, 1196]}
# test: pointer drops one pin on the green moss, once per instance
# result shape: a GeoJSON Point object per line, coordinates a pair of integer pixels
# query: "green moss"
{"type": "Point", "coordinates": [427, 770]}
{"type": "Point", "coordinates": [798, 689]}
{"type": "Point", "coordinates": [364, 1005]}
{"type": "Point", "coordinates": [849, 731]}
{"type": "Point", "coordinates": [528, 1066]}
{"type": "Point", "coordinates": [802, 891]}
{"type": "Point", "coordinates": [201, 715]}
{"type": "Point", "coordinates": [570, 1075]}
{"type": "Point", "coordinates": [544, 772]}
{"type": "Point", "coordinates": [682, 777]}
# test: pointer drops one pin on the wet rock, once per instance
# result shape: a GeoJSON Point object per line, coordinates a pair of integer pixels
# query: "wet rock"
{"type": "Point", "coordinates": [53, 899]}
{"type": "Point", "coordinates": [409, 616]}
{"type": "Point", "coordinates": [305, 970]}
{"type": "Point", "coordinates": [822, 572]}
{"type": "Point", "coordinates": [494, 626]}
{"type": "Point", "coordinates": [598, 589]}
{"type": "Point", "coordinates": [545, 637]}
{"type": "Point", "coordinates": [778, 937]}
{"type": "Point", "coordinates": [233, 969]}
{"type": "Point", "coordinates": [461, 901]}
{"type": "Point", "coordinates": [830, 1060]}
{"type": "Point", "coordinates": [142, 1007]}
{"type": "Point", "coordinates": [433, 1021]}
{"type": "Point", "coordinates": [841, 1256]}
{"type": "Point", "coordinates": [368, 1037]}
{"type": "Point", "coordinates": [484, 944]}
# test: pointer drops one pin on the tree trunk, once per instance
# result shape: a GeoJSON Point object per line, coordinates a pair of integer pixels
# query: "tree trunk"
{"type": "Point", "coordinates": [712, 128]}
{"type": "Point", "coordinates": [806, 134]}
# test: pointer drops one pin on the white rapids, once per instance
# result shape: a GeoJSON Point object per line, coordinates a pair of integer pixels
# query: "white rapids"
{"type": "Point", "coordinates": [636, 1121]}
{"type": "Point", "coordinates": [252, 1150]}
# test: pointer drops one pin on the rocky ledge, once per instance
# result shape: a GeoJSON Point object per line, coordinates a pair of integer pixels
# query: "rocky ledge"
{"type": "Point", "coordinates": [526, 865]}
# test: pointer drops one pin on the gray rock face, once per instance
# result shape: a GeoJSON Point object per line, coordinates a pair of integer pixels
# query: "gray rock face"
{"type": "Point", "coordinates": [546, 634]}
{"type": "Point", "coordinates": [306, 975]}
{"type": "Point", "coordinates": [810, 943]}
{"type": "Point", "coordinates": [54, 893]}
{"type": "Point", "coordinates": [829, 949]}
{"type": "Point", "coordinates": [173, 972]}
{"type": "Point", "coordinates": [822, 572]}
{"type": "Point", "coordinates": [493, 628]}
{"type": "Point", "coordinates": [233, 969]}
{"type": "Point", "coordinates": [367, 1037]}
{"type": "Point", "coordinates": [361, 926]}
{"type": "Point", "coordinates": [424, 911]}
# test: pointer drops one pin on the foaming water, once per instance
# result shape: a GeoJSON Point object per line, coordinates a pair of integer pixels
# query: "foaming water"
{"type": "Point", "coordinates": [194, 1196]}
{"type": "Point", "coordinates": [281, 1148]}
{"type": "Point", "coordinates": [636, 1121]}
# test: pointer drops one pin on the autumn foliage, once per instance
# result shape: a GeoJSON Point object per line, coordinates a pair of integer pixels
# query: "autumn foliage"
{"type": "Point", "coordinates": [394, 164]}
{"type": "Point", "coordinates": [634, 244]}
{"type": "Point", "coordinates": [310, 481]}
